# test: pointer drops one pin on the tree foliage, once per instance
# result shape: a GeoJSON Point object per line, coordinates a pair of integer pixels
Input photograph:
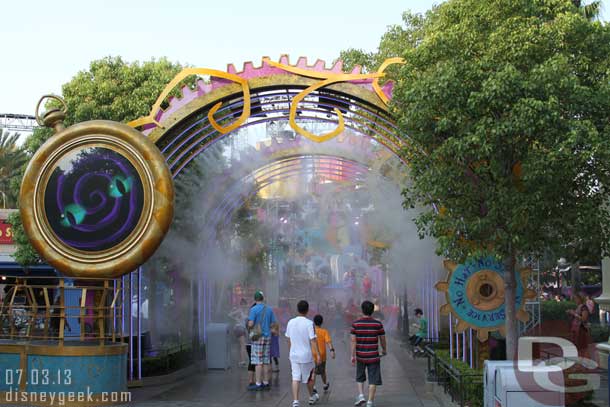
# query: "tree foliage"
{"type": "Point", "coordinates": [588, 10]}
{"type": "Point", "coordinates": [12, 158]}
{"type": "Point", "coordinates": [505, 107]}
{"type": "Point", "coordinates": [110, 89]}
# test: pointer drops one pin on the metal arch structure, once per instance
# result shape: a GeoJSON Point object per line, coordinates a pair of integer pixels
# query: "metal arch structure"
{"type": "Point", "coordinates": [211, 110]}
{"type": "Point", "coordinates": [221, 103]}
{"type": "Point", "coordinates": [17, 122]}
{"type": "Point", "coordinates": [300, 94]}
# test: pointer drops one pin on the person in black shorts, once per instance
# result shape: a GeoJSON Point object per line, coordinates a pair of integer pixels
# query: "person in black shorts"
{"type": "Point", "coordinates": [367, 334]}
{"type": "Point", "coordinates": [251, 368]}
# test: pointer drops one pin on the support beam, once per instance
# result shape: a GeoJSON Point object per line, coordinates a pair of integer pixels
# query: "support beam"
{"type": "Point", "coordinates": [17, 122]}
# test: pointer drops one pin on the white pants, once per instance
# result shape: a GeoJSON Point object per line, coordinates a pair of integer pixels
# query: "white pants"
{"type": "Point", "coordinates": [301, 371]}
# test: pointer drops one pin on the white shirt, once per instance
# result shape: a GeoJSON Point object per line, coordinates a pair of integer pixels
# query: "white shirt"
{"type": "Point", "coordinates": [300, 330]}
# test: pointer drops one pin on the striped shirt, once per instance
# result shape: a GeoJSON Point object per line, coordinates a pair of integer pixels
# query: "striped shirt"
{"type": "Point", "coordinates": [367, 332]}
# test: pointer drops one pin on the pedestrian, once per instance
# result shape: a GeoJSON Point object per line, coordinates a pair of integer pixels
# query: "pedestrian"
{"type": "Point", "coordinates": [275, 347]}
{"type": "Point", "coordinates": [303, 350]}
{"type": "Point", "coordinates": [367, 333]}
{"type": "Point", "coordinates": [259, 323]}
{"type": "Point", "coordinates": [240, 317]}
{"type": "Point", "coordinates": [337, 322]}
{"type": "Point", "coordinates": [589, 303]}
{"type": "Point", "coordinates": [580, 326]}
{"type": "Point", "coordinates": [367, 286]}
{"type": "Point", "coordinates": [323, 339]}
{"type": "Point", "coordinates": [378, 312]}
{"type": "Point", "coordinates": [421, 324]}
{"type": "Point", "coordinates": [251, 367]}
{"type": "Point", "coordinates": [350, 314]}
{"type": "Point", "coordinates": [593, 308]}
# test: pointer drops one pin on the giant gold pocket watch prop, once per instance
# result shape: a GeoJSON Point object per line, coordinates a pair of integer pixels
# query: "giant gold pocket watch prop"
{"type": "Point", "coordinates": [96, 198]}
{"type": "Point", "coordinates": [475, 295]}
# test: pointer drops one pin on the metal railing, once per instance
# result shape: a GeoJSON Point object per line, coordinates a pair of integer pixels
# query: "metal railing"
{"type": "Point", "coordinates": [532, 307]}
{"type": "Point", "coordinates": [168, 359]}
{"type": "Point", "coordinates": [36, 308]}
{"type": "Point", "coordinates": [465, 389]}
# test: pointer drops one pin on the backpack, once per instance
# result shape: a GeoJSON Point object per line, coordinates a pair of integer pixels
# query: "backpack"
{"type": "Point", "coordinates": [257, 329]}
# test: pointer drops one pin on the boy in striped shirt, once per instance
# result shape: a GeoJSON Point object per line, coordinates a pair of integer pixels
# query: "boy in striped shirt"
{"type": "Point", "coordinates": [367, 334]}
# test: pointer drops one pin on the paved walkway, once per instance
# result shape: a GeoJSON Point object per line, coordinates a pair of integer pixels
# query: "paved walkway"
{"type": "Point", "coordinates": [403, 385]}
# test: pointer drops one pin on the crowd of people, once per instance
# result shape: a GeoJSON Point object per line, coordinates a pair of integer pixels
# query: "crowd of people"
{"type": "Point", "coordinates": [257, 330]}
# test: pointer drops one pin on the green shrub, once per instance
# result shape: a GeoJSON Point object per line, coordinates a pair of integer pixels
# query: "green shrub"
{"type": "Point", "coordinates": [555, 311]}
{"type": "Point", "coordinates": [599, 333]}
{"type": "Point", "coordinates": [472, 379]}
{"type": "Point", "coordinates": [167, 363]}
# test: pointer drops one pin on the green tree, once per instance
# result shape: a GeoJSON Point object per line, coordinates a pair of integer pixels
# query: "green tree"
{"type": "Point", "coordinates": [12, 158]}
{"type": "Point", "coordinates": [110, 89]}
{"type": "Point", "coordinates": [396, 40]}
{"type": "Point", "coordinates": [505, 105]}
{"type": "Point", "coordinates": [590, 11]}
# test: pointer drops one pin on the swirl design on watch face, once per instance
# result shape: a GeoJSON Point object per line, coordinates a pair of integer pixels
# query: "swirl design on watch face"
{"type": "Point", "coordinates": [94, 199]}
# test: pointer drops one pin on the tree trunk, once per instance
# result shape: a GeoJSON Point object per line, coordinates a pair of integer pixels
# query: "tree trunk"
{"type": "Point", "coordinates": [510, 285]}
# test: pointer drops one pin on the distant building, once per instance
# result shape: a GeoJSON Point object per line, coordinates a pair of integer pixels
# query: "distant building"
{"type": "Point", "coordinates": [7, 246]}
{"type": "Point", "coordinates": [8, 266]}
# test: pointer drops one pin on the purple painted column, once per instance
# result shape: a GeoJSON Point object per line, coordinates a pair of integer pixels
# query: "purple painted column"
{"type": "Point", "coordinates": [464, 346]}
{"type": "Point", "coordinates": [433, 315]}
{"type": "Point", "coordinates": [114, 326]}
{"type": "Point", "coordinates": [430, 306]}
{"type": "Point", "coordinates": [457, 345]}
{"type": "Point", "coordinates": [437, 313]}
{"type": "Point", "coordinates": [130, 326]}
{"type": "Point", "coordinates": [471, 350]}
{"type": "Point", "coordinates": [450, 336]}
{"type": "Point", "coordinates": [430, 315]}
{"type": "Point", "coordinates": [122, 307]}
{"type": "Point", "coordinates": [205, 310]}
{"type": "Point", "coordinates": [199, 331]}
{"type": "Point", "coordinates": [139, 323]}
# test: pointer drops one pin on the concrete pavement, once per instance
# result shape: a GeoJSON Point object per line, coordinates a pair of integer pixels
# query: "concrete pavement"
{"type": "Point", "coordinates": [403, 385]}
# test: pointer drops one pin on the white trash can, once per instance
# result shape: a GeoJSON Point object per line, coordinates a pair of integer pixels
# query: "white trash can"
{"type": "Point", "coordinates": [489, 379]}
{"type": "Point", "coordinates": [514, 388]}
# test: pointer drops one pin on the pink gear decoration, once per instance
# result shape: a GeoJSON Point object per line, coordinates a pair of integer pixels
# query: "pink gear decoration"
{"type": "Point", "coordinates": [249, 71]}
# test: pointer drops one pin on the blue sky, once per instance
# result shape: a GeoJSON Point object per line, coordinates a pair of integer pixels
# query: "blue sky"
{"type": "Point", "coordinates": [44, 43]}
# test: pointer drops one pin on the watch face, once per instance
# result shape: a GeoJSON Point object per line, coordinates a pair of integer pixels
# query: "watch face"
{"type": "Point", "coordinates": [97, 199]}
{"type": "Point", "coordinates": [93, 199]}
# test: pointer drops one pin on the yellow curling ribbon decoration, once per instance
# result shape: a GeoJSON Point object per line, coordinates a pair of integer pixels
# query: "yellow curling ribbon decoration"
{"type": "Point", "coordinates": [201, 71]}
{"type": "Point", "coordinates": [384, 65]}
{"type": "Point", "coordinates": [327, 79]}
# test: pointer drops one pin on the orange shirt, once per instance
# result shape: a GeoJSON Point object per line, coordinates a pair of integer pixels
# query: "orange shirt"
{"type": "Point", "coordinates": [323, 337]}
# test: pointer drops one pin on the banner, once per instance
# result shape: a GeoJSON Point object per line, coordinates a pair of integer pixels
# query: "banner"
{"type": "Point", "coordinates": [6, 233]}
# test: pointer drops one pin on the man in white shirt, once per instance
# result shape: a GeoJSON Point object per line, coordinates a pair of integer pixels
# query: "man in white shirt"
{"type": "Point", "coordinates": [302, 344]}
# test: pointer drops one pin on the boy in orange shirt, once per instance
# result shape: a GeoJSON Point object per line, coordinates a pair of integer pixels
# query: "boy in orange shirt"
{"type": "Point", "coordinates": [323, 338]}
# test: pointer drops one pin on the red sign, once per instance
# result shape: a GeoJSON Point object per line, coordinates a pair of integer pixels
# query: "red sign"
{"type": "Point", "coordinates": [6, 233]}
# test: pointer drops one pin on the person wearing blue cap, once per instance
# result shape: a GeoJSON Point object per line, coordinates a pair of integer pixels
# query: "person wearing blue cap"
{"type": "Point", "coordinates": [260, 321]}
